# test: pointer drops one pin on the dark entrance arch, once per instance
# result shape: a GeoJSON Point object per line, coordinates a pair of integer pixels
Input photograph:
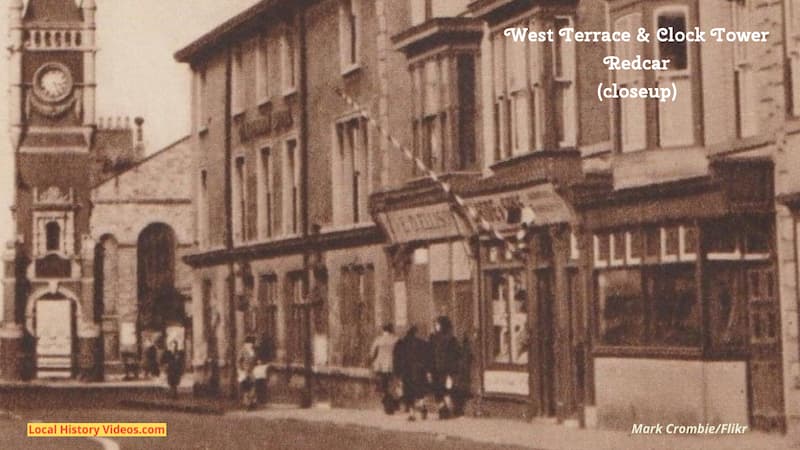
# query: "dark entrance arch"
{"type": "Point", "coordinates": [160, 303]}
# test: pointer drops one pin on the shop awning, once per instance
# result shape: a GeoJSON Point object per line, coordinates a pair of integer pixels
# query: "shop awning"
{"type": "Point", "coordinates": [535, 205]}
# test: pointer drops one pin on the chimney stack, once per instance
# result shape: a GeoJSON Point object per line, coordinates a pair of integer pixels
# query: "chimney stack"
{"type": "Point", "coordinates": [139, 139]}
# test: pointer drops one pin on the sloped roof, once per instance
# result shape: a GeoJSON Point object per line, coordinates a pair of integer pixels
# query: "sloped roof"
{"type": "Point", "coordinates": [53, 11]}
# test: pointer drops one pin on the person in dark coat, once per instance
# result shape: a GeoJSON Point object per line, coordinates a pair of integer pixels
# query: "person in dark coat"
{"type": "Point", "coordinates": [174, 360]}
{"type": "Point", "coordinates": [151, 360]}
{"type": "Point", "coordinates": [446, 366]}
{"type": "Point", "coordinates": [412, 363]}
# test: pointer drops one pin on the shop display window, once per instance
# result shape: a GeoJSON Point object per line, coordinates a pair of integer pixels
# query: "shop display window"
{"type": "Point", "coordinates": [621, 304]}
{"type": "Point", "coordinates": [509, 315]}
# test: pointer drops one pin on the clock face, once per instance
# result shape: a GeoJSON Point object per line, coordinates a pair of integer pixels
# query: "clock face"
{"type": "Point", "coordinates": [53, 82]}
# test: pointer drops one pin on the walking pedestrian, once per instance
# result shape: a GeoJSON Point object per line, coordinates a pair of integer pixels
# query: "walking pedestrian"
{"type": "Point", "coordinates": [446, 365]}
{"type": "Point", "coordinates": [381, 355]}
{"type": "Point", "coordinates": [174, 359]}
{"type": "Point", "coordinates": [246, 364]}
{"type": "Point", "coordinates": [150, 359]}
{"type": "Point", "coordinates": [412, 362]}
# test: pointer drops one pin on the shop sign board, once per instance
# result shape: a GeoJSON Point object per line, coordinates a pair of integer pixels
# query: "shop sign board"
{"type": "Point", "coordinates": [539, 204]}
{"type": "Point", "coordinates": [424, 223]}
{"type": "Point", "coordinates": [506, 382]}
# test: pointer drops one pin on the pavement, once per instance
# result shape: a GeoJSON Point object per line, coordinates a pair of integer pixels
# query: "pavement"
{"type": "Point", "coordinates": [536, 434]}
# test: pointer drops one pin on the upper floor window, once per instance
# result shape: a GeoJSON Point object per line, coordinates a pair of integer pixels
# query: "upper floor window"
{"type": "Point", "coordinates": [239, 200]}
{"type": "Point", "coordinates": [744, 77]}
{"type": "Point", "coordinates": [53, 233]}
{"type": "Point", "coordinates": [672, 121]}
{"type": "Point", "coordinates": [630, 112]}
{"type": "Point", "coordinates": [288, 61]}
{"type": "Point", "coordinates": [518, 95]}
{"type": "Point", "coordinates": [53, 236]}
{"type": "Point", "coordinates": [564, 78]}
{"type": "Point", "coordinates": [349, 34]}
{"type": "Point", "coordinates": [351, 172]}
{"type": "Point", "coordinates": [202, 210]}
{"type": "Point", "coordinates": [262, 69]}
{"type": "Point", "coordinates": [423, 10]}
{"type": "Point", "coordinates": [675, 119]}
{"type": "Point", "coordinates": [266, 202]}
{"type": "Point", "coordinates": [291, 188]}
{"type": "Point", "coordinates": [237, 81]}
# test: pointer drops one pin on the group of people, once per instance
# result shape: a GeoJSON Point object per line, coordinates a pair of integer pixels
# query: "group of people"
{"type": "Point", "coordinates": [410, 368]}
{"type": "Point", "coordinates": [173, 361]}
{"type": "Point", "coordinates": [249, 358]}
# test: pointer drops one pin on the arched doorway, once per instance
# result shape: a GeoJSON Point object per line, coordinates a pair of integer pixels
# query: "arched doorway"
{"type": "Point", "coordinates": [51, 329]}
{"type": "Point", "coordinates": [159, 302]}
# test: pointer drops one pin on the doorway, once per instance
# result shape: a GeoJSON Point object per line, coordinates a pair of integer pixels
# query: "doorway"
{"type": "Point", "coordinates": [544, 368]}
{"type": "Point", "coordinates": [55, 337]}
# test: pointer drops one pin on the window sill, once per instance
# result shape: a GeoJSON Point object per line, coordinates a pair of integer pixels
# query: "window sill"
{"type": "Point", "coordinates": [237, 113]}
{"type": "Point", "coordinates": [202, 131]}
{"type": "Point", "coordinates": [350, 69]}
{"type": "Point", "coordinates": [347, 227]}
{"type": "Point", "coordinates": [289, 92]}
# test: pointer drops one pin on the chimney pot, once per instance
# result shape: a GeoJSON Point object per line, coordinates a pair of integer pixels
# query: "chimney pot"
{"type": "Point", "coordinates": [139, 121]}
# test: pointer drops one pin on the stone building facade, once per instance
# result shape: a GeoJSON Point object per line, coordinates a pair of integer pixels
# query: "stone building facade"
{"type": "Point", "coordinates": [288, 237]}
{"type": "Point", "coordinates": [83, 186]}
{"type": "Point", "coordinates": [641, 239]}
{"type": "Point", "coordinates": [128, 210]}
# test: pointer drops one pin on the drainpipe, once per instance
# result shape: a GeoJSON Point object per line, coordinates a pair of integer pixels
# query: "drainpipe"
{"type": "Point", "coordinates": [306, 399]}
{"type": "Point", "coordinates": [230, 351]}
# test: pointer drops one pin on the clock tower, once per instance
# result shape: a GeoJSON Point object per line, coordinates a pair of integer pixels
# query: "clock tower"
{"type": "Point", "coordinates": [51, 318]}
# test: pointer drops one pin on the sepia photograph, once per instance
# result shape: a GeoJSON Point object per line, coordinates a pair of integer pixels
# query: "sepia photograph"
{"type": "Point", "coordinates": [400, 224]}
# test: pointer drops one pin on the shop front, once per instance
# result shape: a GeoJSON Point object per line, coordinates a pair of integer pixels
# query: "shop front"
{"type": "Point", "coordinates": [684, 297]}
{"type": "Point", "coordinates": [516, 303]}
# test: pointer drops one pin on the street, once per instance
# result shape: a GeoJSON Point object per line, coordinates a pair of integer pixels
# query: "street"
{"type": "Point", "coordinates": [201, 432]}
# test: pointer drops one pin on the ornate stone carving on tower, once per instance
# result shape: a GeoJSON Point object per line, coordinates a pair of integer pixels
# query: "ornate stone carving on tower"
{"type": "Point", "coordinates": [48, 269]}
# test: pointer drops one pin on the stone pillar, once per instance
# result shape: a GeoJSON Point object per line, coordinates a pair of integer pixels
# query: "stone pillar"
{"type": "Point", "coordinates": [90, 345]}
{"type": "Point", "coordinates": [89, 57]}
{"type": "Point", "coordinates": [15, 90]}
{"type": "Point", "coordinates": [11, 332]}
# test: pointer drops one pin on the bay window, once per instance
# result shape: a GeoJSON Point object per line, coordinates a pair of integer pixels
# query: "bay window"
{"type": "Point", "coordinates": [517, 96]}
{"type": "Point", "coordinates": [564, 77]}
